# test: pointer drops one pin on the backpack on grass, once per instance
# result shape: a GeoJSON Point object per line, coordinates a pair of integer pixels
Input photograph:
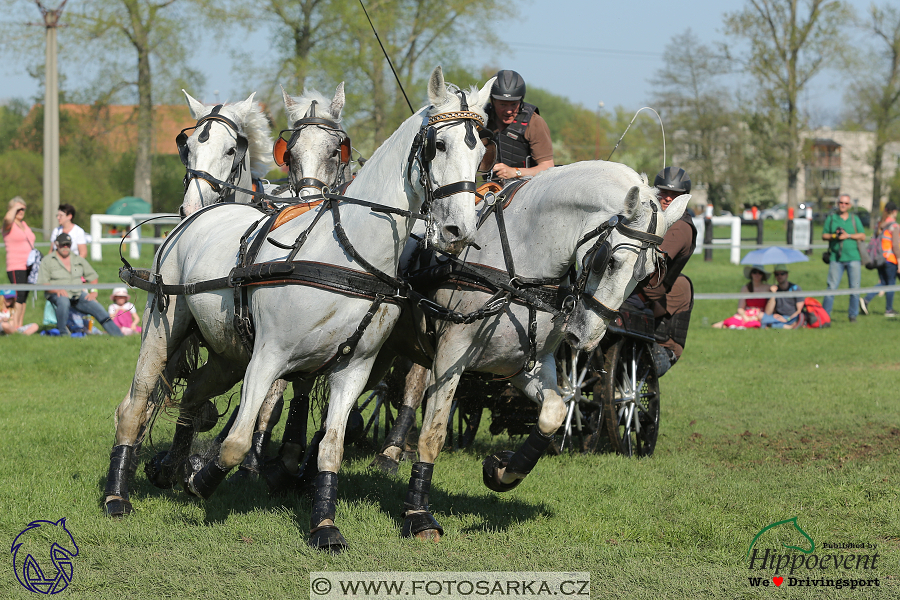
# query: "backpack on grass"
{"type": "Point", "coordinates": [814, 315]}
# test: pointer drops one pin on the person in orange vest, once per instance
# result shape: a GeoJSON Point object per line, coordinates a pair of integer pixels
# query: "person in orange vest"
{"type": "Point", "coordinates": [889, 231]}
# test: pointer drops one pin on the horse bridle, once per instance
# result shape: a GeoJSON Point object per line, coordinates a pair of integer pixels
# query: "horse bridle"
{"type": "Point", "coordinates": [596, 260]}
{"type": "Point", "coordinates": [424, 149]}
{"type": "Point", "coordinates": [237, 164]}
{"type": "Point", "coordinates": [282, 150]}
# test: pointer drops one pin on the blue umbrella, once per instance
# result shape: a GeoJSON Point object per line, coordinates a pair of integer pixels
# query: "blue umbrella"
{"type": "Point", "coordinates": [774, 255]}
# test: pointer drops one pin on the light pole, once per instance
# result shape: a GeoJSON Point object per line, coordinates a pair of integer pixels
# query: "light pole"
{"type": "Point", "coordinates": [51, 118]}
{"type": "Point", "coordinates": [600, 106]}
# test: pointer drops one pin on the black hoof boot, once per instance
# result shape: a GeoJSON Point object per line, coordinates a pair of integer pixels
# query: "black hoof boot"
{"type": "Point", "coordinates": [417, 519]}
{"type": "Point", "coordinates": [278, 479]}
{"type": "Point", "coordinates": [252, 465]}
{"type": "Point", "coordinates": [490, 471]}
{"type": "Point", "coordinates": [115, 493]}
{"type": "Point", "coordinates": [385, 464]}
{"type": "Point", "coordinates": [160, 471]}
{"type": "Point", "coordinates": [323, 533]}
{"type": "Point", "coordinates": [202, 480]}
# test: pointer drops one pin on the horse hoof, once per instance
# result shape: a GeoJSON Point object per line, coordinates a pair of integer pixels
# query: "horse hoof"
{"type": "Point", "coordinates": [490, 468]}
{"type": "Point", "coordinates": [328, 539]}
{"type": "Point", "coordinates": [155, 469]}
{"type": "Point", "coordinates": [423, 526]}
{"type": "Point", "coordinates": [278, 479]}
{"type": "Point", "coordinates": [206, 418]}
{"type": "Point", "coordinates": [243, 475]}
{"type": "Point", "coordinates": [117, 508]}
{"type": "Point", "coordinates": [191, 466]}
{"type": "Point", "coordinates": [385, 464]}
{"type": "Point", "coordinates": [355, 429]}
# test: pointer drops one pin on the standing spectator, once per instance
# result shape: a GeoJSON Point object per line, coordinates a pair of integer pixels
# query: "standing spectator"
{"type": "Point", "coordinates": [64, 268]}
{"type": "Point", "coordinates": [8, 310]}
{"type": "Point", "coordinates": [889, 231]}
{"type": "Point", "coordinates": [19, 240]}
{"type": "Point", "coordinates": [783, 313]}
{"type": "Point", "coordinates": [123, 312]}
{"type": "Point", "coordinates": [844, 253]}
{"type": "Point", "coordinates": [65, 217]}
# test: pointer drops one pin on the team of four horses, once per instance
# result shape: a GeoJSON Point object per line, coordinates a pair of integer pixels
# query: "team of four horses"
{"type": "Point", "coordinates": [408, 266]}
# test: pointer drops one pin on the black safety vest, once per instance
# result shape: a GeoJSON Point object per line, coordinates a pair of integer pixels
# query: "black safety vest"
{"type": "Point", "coordinates": [514, 150]}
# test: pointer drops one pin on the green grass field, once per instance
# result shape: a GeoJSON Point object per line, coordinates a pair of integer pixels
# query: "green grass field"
{"type": "Point", "coordinates": [756, 427]}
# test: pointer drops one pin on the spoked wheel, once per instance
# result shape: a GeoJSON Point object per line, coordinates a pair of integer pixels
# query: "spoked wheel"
{"type": "Point", "coordinates": [378, 423]}
{"type": "Point", "coordinates": [631, 398]}
{"type": "Point", "coordinates": [463, 424]}
{"type": "Point", "coordinates": [578, 379]}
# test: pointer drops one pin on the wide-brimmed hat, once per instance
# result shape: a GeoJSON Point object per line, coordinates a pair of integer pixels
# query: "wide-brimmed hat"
{"type": "Point", "coordinates": [120, 291]}
{"type": "Point", "coordinates": [760, 268]}
{"type": "Point", "coordinates": [780, 267]}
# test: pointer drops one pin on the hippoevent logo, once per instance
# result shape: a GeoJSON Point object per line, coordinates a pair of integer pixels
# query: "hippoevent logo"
{"type": "Point", "coordinates": [43, 556]}
{"type": "Point", "coordinates": [838, 565]}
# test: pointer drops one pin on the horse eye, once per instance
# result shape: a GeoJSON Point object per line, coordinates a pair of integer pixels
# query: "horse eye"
{"type": "Point", "coordinates": [230, 152]}
{"type": "Point", "coordinates": [334, 153]}
{"type": "Point", "coordinates": [440, 145]}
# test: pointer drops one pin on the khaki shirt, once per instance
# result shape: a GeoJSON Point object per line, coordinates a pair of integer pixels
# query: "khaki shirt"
{"type": "Point", "coordinates": [53, 272]}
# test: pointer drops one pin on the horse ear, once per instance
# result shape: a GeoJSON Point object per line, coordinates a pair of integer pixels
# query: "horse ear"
{"type": "Point", "coordinates": [676, 209]}
{"type": "Point", "coordinates": [437, 89]}
{"type": "Point", "coordinates": [484, 96]}
{"type": "Point", "coordinates": [337, 103]}
{"type": "Point", "coordinates": [245, 106]}
{"type": "Point", "coordinates": [289, 102]}
{"type": "Point", "coordinates": [632, 203]}
{"type": "Point", "coordinates": [198, 109]}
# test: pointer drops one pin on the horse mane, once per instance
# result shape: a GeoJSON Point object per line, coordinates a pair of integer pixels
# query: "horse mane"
{"type": "Point", "coordinates": [255, 125]}
{"type": "Point", "coordinates": [323, 106]}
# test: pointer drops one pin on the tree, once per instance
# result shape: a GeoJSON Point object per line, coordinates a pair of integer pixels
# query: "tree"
{"type": "Point", "coordinates": [789, 45]}
{"type": "Point", "coordinates": [696, 107]}
{"type": "Point", "coordinates": [874, 94]}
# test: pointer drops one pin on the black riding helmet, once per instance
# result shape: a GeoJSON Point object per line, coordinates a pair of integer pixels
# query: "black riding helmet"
{"type": "Point", "coordinates": [509, 85]}
{"type": "Point", "coordinates": [673, 179]}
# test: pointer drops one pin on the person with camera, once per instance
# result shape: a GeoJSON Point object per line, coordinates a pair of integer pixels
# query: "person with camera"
{"type": "Point", "coordinates": [64, 268]}
{"type": "Point", "coordinates": [843, 253]}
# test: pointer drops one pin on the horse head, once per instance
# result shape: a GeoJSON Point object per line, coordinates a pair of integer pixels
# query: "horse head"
{"type": "Point", "coordinates": [316, 149]}
{"type": "Point", "coordinates": [445, 155]}
{"type": "Point", "coordinates": [229, 143]}
{"type": "Point", "coordinates": [612, 267]}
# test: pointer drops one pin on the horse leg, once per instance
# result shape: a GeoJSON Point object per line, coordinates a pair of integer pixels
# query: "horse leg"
{"type": "Point", "coordinates": [503, 471]}
{"type": "Point", "coordinates": [202, 479]}
{"type": "Point", "coordinates": [284, 474]}
{"type": "Point", "coordinates": [417, 518]}
{"type": "Point", "coordinates": [388, 460]}
{"type": "Point", "coordinates": [269, 415]}
{"type": "Point", "coordinates": [162, 335]}
{"type": "Point", "coordinates": [213, 379]}
{"type": "Point", "coordinates": [346, 385]}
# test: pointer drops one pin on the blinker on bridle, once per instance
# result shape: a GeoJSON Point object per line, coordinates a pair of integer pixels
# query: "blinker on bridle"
{"type": "Point", "coordinates": [240, 150]}
{"type": "Point", "coordinates": [281, 152]}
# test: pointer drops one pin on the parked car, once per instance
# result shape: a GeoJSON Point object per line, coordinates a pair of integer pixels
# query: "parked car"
{"type": "Point", "coordinates": [776, 213]}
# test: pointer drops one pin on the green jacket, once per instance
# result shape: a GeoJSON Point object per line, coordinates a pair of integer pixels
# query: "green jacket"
{"type": "Point", "coordinates": [846, 250]}
{"type": "Point", "coordinates": [54, 273]}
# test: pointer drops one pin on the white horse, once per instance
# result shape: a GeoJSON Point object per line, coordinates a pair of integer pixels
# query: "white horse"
{"type": "Point", "coordinates": [548, 224]}
{"type": "Point", "coordinates": [224, 139]}
{"type": "Point", "coordinates": [427, 165]}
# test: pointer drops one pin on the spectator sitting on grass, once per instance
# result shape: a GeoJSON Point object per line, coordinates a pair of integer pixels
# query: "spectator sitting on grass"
{"type": "Point", "coordinates": [783, 313]}
{"type": "Point", "coordinates": [64, 268]}
{"type": "Point", "coordinates": [8, 314]}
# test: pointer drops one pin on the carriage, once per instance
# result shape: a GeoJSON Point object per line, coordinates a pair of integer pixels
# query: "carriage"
{"type": "Point", "coordinates": [612, 397]}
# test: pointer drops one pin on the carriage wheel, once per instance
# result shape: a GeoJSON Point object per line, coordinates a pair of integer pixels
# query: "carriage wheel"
{"type": "Point", "coordinates": [461, 430]}
{"type": "Point", "coordinates": [631, 398]}
{"type": "Point", "coordinates": [579, 381]}
{"type": "Point", "coordinates": [379, 422]}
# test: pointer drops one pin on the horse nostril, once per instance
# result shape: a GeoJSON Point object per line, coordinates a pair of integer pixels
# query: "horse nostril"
{"type": "Point", "coordinates": [451, 232]}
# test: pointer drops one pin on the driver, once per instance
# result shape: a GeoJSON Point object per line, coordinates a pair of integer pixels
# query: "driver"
{"type": "Point", "coordinates": [523, 138]}
{"type": "Point", "coordinates": [672, 300]}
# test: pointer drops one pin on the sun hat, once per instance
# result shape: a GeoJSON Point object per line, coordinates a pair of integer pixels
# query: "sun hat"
{"type": "Point", "coordinates": [761, 268]}
{"type": "Point", "coordinates": [780, 267]}
{"type": "Point", "coordinates": [120, 291]}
